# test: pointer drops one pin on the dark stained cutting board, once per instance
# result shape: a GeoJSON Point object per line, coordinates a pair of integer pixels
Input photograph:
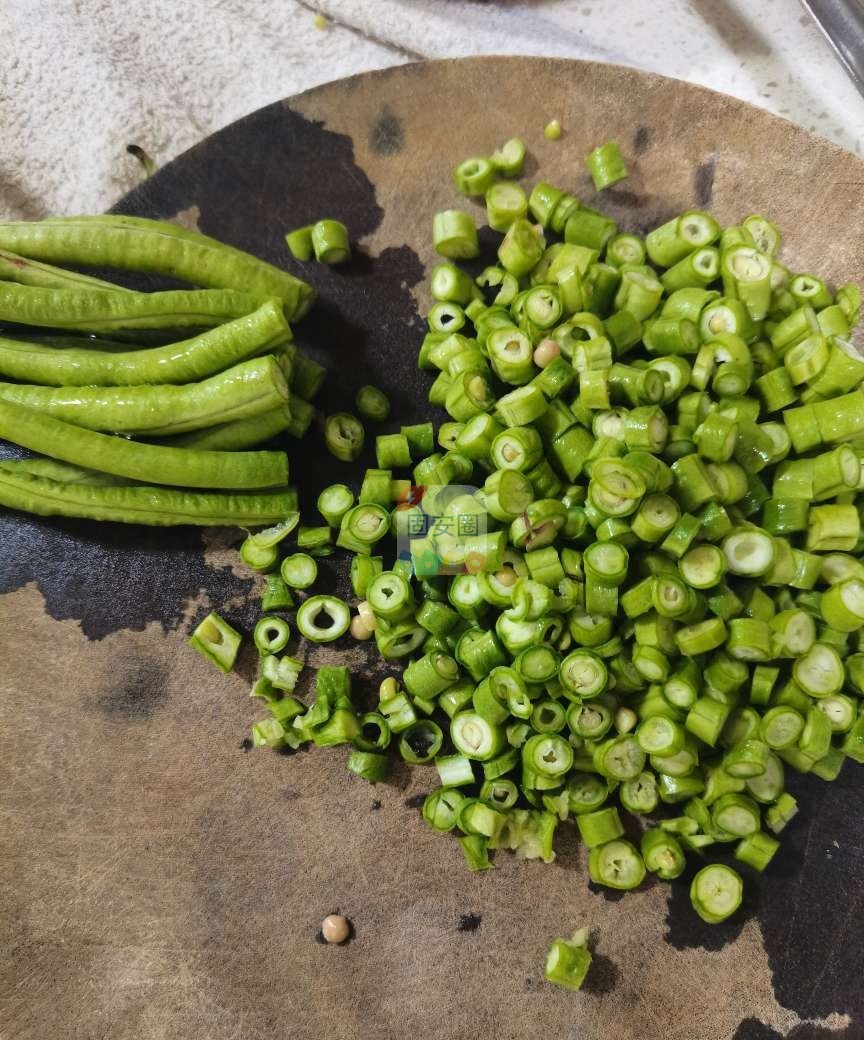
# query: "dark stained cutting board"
{"type": "Point", "coordinates": [158, 881]}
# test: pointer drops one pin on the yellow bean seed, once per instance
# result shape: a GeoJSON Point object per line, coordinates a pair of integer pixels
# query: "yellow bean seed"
{"type": "Point", "coordinates": [359, 629]}
{"type": "Point", "coordinates": [546, 352]}
{"type": "Point", "coordinates": [335, 928]}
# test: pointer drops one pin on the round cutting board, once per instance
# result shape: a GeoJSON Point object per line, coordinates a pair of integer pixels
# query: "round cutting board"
{"type": "Point", "coordinates": [161, 880]}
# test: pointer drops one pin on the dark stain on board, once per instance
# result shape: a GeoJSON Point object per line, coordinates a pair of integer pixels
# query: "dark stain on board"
{"type": "Point", "coordinates": [641, 139]}
{"type": "Point", "coordinates": [622, 197]}
{"type": "Point", "coordinates": [415, 801]}
{"type": "Point", "coordinates": [753, 1029]}
{"type": "Point", "coordinates": [387, 135]}
{"type": "Point", "coordinates": [110, 577]}
{"type": "Point", "coordinates": [703, 182]}
{"type": "Point", "coordinates": [139, 695]}
{"type": "Point", "coordinates": [818, 876]}
{"type": "Point", "coordinates": [812, 900]}
{"type": "Point", "coordinates": [469, 922]}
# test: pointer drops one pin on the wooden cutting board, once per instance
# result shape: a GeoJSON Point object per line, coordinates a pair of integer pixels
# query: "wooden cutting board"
{"type": "Point", "coordinates": [160, 880]}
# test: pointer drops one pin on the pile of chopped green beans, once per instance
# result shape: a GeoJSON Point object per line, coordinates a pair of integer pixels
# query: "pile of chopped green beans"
{"type": "Point", "coordinates": [186, 412]}
{"type": "Point", "coordinates": [665, 611]}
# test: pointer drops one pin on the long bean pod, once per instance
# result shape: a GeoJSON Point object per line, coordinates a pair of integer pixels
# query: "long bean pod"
{"type": "Point", "coordinates": [182, 362]}
{"type": "Point", "coordinates": [142, 504]}
{"type": "Point", "coordinates": [151, 463]}
{"type": "Point", "coordinates": [242, 392]}
{"type": "Point", "coordinates": [95, 310]}
{"type": "Point", "coordinates": [14, 268]}
{"type": "Point", "coordinates": [157, 247]}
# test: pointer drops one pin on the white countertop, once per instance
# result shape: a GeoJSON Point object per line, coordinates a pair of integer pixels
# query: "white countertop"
{"type": "Point", "coordinates": [83, 79]}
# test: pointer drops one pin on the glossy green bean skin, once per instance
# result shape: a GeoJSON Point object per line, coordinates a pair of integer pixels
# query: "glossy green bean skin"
{"type": "Point", "coordinates": [238, 435]}
{"type": "Point", "coordinates": [182, 362]}
{"type": "Point", "coordinates": [69, 341]}
{"type": "Point", "coordinates": [61, 472]}
{"type": "Point", "coordinates": [142, 504]}
{"type": "Point", "coordinates": [14, 268]}
{"type": "Point", "coordinates": [156, 247]}
{"type": "Point", "coordinates": [95, 310]}
{"type": "Point", "coordinates": [151, 463]}
{"type": "Point", "coordinates": [246, 390]}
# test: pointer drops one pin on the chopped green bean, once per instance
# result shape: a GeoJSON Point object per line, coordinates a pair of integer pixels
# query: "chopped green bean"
{"type": "Point", "coordinates": [217, 640]}
{"type": "Point", "coordinates": [606, 165]}
{"type": "Point", "coordinates": [344, 436]}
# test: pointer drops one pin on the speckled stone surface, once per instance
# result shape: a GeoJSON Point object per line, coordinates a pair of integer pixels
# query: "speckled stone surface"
{"type": "Point", "coordinates": [157, 880]}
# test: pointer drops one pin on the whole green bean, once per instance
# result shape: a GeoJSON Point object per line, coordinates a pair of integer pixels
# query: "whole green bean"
{"type": "Point", "coordinates": [237, 435]}
{"type": "Point", "coordinates": [157, 247]}
{"type": "Point", "coordinates": [246, 390]}
{"type": "Point", "coordinates": [14, 268]}
{"type": "Point", "coordinates": [94, 310]}
{"type": "Point", "coordinates": [182, 362]}
{"type": "Point", "coordinates": [142, 504]}
{"type": "Point", "coordinates": [151, 463]}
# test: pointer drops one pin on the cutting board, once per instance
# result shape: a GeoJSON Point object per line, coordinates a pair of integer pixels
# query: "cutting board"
{"type": "Point", "coordinates": [162, 880]}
